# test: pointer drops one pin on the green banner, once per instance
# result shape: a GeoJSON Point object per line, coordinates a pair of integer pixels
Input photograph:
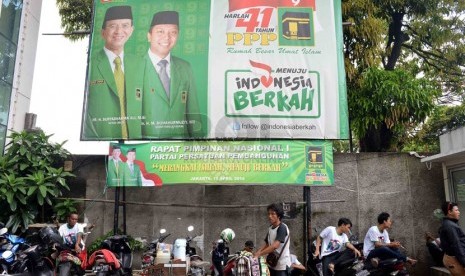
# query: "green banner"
{"type": "Point", "coordinates": [216, 69]}
{"type": "Point", "coordinates": [220, 162]}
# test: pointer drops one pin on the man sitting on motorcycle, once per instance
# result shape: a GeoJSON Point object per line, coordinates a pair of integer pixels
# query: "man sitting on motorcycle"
{"type": "Point", "coordinates": [377, 246]}
{"type": "Point", "coordinates": [72, 233]}
{"type": "Point", "coordinates": [333, 240]}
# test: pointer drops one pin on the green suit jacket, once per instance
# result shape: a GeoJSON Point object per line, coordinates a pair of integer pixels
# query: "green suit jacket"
{"type": "Point", "coordinates": [174, 117]}
{"type": "Point", "coordinates": [131, 178]}
{"type": "Point", "coordinates": [114, 173]}
{"type": "Point", "coordinates": [101, 118]}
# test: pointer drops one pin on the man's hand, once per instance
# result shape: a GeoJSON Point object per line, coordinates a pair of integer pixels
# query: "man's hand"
{"type": "Point", "coordinates": [394, 244]}
{"type": "Point", "coordinates": [357, 253]}
{"type": "Point", "coordinates": [77, 248]}
{"type": "Point", "coordinates": [316, 254]}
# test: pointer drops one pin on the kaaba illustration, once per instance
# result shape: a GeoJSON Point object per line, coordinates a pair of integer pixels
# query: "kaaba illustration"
{"type": "Point", "coordinates": [314, 155]}
{"type": "Point", "coordinates": [296, 25]}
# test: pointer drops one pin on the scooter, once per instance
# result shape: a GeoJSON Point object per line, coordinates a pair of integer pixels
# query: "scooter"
{"type": "Point", "coordinates": [35, 260]}
{"type": "Point", "coordinates": [150, 253]}
{"type": "Point", "coordinates": [197, 264]}
{"type": "Point", "coordinates": [220, 252]}
{"type": "Point", "coordinates": [67, 258]}
{"type": "Point", "coordinates": [119, 246]}
{"type": "Point", "coordinates": [104, 262]}
{"type": "Point", "coordinates": [10, 246]}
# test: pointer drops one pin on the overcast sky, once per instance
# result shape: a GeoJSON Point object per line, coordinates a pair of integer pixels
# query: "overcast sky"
{"type": "Point", "coordinates": [58, 85]}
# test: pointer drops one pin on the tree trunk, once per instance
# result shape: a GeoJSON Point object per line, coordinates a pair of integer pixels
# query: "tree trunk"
{"type": "Point", "coordinates": [396, 38]}
{"type": "Point", "coordinates": [376, 139]}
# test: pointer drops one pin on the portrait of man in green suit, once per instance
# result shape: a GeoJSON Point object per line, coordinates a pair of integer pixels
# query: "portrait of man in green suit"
{"type": "Point", "coordinates": [170, 104]}
{"type": "Point", "coordinates": [114, 96]}
{"type": "Point", "coordinates": [131, 173]}
{"type": "Point", "coordinates": [114, 167]}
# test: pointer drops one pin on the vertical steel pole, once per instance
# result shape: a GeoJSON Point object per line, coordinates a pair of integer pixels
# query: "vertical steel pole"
{"type": "Point", "coordinates": [124, 210]}
{"type": "Point", "coordinates": [308, 222]}
{"type": "Point", "coordinates": [116, 213]}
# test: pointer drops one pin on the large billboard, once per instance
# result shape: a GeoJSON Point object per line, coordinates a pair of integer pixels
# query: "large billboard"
{"type": "Point", "coordinates": [190, 69]}
{"type": "Point", "coordinates": [288, 162]}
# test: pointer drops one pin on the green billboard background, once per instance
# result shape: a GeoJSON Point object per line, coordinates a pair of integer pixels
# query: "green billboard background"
{"type": "Point", "coordinates": [192, 46]}
{"type": "Point", "coordinates": [229, 162]}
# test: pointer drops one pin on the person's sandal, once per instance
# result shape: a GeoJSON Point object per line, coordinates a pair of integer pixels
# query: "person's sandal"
{"type": "Point", "coordinates": [411, 261]}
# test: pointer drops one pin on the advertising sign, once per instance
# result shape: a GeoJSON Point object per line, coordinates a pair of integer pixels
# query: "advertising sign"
{"type": "Point", "coordinates": [190, 69]}
{"type": "Point", "coordinates": [290, 162]}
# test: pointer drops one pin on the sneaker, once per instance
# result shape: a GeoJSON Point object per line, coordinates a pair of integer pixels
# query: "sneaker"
{"type": "Point", "coordinates": [374, 262]}
{"type": "Point", "coordinates": [358, 266]}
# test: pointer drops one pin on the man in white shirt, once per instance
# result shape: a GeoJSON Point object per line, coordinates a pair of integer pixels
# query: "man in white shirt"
{"type": "Point", "coordinates": [333, 240]}
{"type": "Point", "coordinates": [72, 232]}
{"type": "Point", "coordinates": [377, 245]}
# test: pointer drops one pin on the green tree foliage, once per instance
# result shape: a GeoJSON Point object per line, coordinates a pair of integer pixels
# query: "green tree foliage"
{"type": "Point", "coordinates": [400, 102]}
{"type": "Point", "coordinates": [76, 17]}
{"type": "Point", "coordinates": [31, 175]}
{"type": "Point", "coordinates": [424, 38]}
{"type": "Point", "coordinates": [442, 120]}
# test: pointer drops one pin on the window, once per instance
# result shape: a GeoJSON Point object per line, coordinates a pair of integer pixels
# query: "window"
{"type": "Point", "coordinates": [10, 20]}
{"type": "Point", "coordinates": [457, 182]}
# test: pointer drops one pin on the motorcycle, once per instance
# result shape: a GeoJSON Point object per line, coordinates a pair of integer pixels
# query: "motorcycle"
{"type": "Point", "coordinates": [149, 255]}
{"type": "Point", "coordinates": [220, 253]}
{"type": "Point", "coordinates": [35, 260]}
{"type": "Point", "coordinates": [10, 246]}
{"type": "Point", "coordinates": [197, 264]}
{"type": "Point", "coordinates": [119, 246]}
{"type": "Point", "coordinates": [104, 262]}
{"type": "Point", "coordinates": [68, 261]}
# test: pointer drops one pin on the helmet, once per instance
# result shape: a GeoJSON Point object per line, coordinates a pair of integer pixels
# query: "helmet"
{"type": "Point", "coordinates": [227, 235]}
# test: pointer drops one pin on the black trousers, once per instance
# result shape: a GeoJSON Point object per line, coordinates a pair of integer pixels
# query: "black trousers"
{"type": "Point", "coordinates": [339, 259]}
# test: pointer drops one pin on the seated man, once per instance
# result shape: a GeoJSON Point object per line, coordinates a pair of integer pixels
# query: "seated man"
{"type": "Point", "coordinates": [434, 249]}
{"type": "Point", "coordinates": [72, 234]}
{"type": "Point", "coordinates": [297, 268]}
{"type": "Point", "coordinates": [332, 240]}
{"type": "Point", "coordinates": [377, 245]}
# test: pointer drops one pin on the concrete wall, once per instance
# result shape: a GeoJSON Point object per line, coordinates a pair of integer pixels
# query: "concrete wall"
{"type": "Point", "coordinates": [365, 185]}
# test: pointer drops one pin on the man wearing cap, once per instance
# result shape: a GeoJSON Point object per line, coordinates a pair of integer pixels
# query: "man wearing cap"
{"type": "Point", "coordinates": [170, 105]}
{"type": "Point", "coordinates": [131, 171]}
{"type": "Point", "coordinates": [114, 99]}
{"type": "Point", "coordinates": [114, 167]}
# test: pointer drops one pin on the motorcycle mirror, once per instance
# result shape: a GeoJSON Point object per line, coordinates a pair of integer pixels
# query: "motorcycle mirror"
{"type": "Point", "coordinates": [190, 228]}
{"type": "Point", "coordinates": [162, 231]}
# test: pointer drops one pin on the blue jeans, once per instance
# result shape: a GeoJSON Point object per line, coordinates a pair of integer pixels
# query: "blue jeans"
{"type": "Point", "coordinates": [384, 253]}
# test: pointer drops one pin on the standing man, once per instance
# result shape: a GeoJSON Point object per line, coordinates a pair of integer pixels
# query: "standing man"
{"type": "Point", "coordinates": [277, 240]}
{"type": "Point", "coordinates": [131, 171]}
{"type": "Point", "coordinates": [452, 239]}
{"type": "Point", "coordinates": [332, 241]}
{"type": "Point", "coordinates": [114, 168]}
{"type": "Point", "coordinates": [378, 246]}
{"type": "Point", "coordinates": [170, 105]}
{"type": "Point", "coordinates": [114, 99]}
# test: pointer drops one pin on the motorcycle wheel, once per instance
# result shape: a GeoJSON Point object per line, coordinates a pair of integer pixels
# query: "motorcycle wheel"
{"type": "Point", "coordinates": [64, 269]}
{"type": "Point", "coordinates": [25, 267]}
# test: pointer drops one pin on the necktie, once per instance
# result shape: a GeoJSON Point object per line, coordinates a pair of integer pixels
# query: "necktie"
{"type": "Point", "coordinates": [119, 79]}
{"type": "Point", "coordinates": [131, 167]}
{"type": "Point", "coordinates": [165, 80]}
